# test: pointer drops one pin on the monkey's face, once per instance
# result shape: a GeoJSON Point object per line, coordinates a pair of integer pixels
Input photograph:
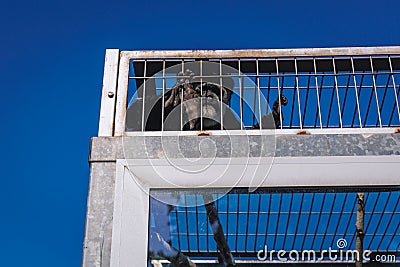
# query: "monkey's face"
{"type": "Point", "coordinates": [205, 101]}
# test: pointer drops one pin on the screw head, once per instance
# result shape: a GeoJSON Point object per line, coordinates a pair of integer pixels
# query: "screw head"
{"type": "Point", "coordinates": [110, 94]}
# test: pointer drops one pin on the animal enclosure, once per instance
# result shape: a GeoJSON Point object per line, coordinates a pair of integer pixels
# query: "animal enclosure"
{"type": "Point", "coordinates": [294, 149]}
{"type": "Point", "coordinates": [335, 91]}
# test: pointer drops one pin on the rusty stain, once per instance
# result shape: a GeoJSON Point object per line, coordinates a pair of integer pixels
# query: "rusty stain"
{"type": "Point", "coordinates": [303, 132]}
{"type": "Point", "coordinates": [397, 130]}
{"type": "Point", "coordinates": [203, 133]}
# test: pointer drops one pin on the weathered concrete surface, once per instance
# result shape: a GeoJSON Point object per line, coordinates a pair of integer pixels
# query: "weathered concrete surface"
{"type": "Point", "coordinates": [100, 206]}
{"type": "Point", "coordinates": [110, 148]}
{"type": "Point", "coordinates": [105, 151]}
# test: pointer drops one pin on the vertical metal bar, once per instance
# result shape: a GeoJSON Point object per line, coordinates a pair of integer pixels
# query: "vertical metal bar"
{"type": "Point", "coordinates": [319, 219]}
{"type": "Point", "coordinates": [240, 79]}
{"type": "Point", "coordinates": [177, 227]}
{"type": "Point", "coordinates": [298, 219]}
{"type": "Point", "coordinates": [108, 95]}
{"type": "Point", "coordinates": [393, 236]}
{"type": "Point", "coordinates": [392, 113]}
{"type": "Point", "coordinates": [258, 221]}
{"type": "Point", "coordinates": [220, 91]}
{"type": "Point", "coordinates": [197, 222]}
{"type": "Point", "coordinates": [360, 229]}
{"type": "Point", "coordinates": [349, 221]}
{"type": "Point", "coordinates": [356, 91]}
{"type": "Point", "coordinates": [394, 88]}
{"type": "Point", "coordinates": [259, 94]}
{"type": "Point", "coordinates": [187, 222]}
{"type": "Point", "coordinates": [293, 99]}
{"type": "Point", "coordinates": [346, 94]}
{"type": "Point", "coordinates": [318, 94]}
{"type": "Point", "coordinates": [337, 93]}
{"type": "Point", "coordinates": [376, 92]}
{"type": "Point", "coordinates": [330, 108]}
{"type": "Point", "coordinates": [340, 216]}
{"type": "Point", "coordinates": [227, 217]}
{"type": "Point", "coordinates": [277, 221]}
{"type": "Point", "coordinates": [144, 94]}
{"type": "Point", "coordinates": [306, 100]}
{"type": "Point", "coordinates": [207, 227]}
{"type": "Point", "coordinates": [288, 219]}
{"type": "Point", "coordinates": [183, 72]}
{"type": "Point", "coordinates": [308, 220]}
{"type": "Point", "coordinates": [269, 87]}
{"type": "Point", "coordinates": [162, 98]}
{"type": "Point", "coordinates": [122, 94]}
{"type": "Point", "coordinates": [390, 220]}
{"type": "Point", "coordinates": [298, 93]}
{"type": "Point", "coordinates": [328, 222]}
{"type": "Point", "coordinates": [247, 220]}
{"type": "Point", "coordinates": [383, 99]}
{"type": "Point", "coordinates": [368, 107]}
{"type": "Point", "coordinates": [268, 217]}
{"type": "Point", "coordinates": [201, 95]}
{"type": "Point", "coordinates": [279, 92]}
{"type": "Point", "coordinates": [380, 220]}
{"type": "Point", "coordinates": [373, 210]}
{"type": "Point", "coordinates": [237, 222]}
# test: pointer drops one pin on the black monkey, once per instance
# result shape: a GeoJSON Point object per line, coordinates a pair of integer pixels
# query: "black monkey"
{"type": "Point", "coordinates": [187, 92]}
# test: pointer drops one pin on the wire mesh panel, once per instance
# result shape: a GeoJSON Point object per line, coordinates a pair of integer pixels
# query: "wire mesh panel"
{"type": "Point", "coordinates": [289, 221]}
{"type": "Point", "coordinates": [321, 92]}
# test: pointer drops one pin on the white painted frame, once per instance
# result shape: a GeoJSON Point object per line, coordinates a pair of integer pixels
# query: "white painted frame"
{"type": "Point", "coordinates": [115, 81]}
{"type": "Point", "coordinates": [131, 203]}
{"type": "Point", "coordinates": [109, 91]}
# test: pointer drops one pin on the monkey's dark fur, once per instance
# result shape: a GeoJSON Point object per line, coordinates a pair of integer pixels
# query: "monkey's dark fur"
{"type": "Point", "coordinates": [187, 93]}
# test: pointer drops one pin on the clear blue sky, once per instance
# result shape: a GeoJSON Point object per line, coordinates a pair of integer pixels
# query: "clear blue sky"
{"type": "Point", "coordinates": [51, 73]}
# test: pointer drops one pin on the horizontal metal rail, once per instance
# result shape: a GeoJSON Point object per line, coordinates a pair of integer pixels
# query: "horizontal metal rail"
{"type": "Point", "coordinates": [262, 53]}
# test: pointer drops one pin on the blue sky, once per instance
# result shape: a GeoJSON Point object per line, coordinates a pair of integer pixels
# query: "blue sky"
{"type": "Point", "coordinates": [51, 73]}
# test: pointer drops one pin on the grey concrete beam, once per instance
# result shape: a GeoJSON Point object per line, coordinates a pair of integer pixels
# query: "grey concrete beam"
{"type": "Point", "coordinates": [143, 147]}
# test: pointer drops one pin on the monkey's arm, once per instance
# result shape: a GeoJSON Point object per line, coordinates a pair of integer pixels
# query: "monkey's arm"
{"type": "Point", "coordinates": [216, 227]}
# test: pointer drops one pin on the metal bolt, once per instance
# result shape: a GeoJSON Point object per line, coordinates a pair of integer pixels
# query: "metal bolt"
{"type": "Point", "coordinates": [110, 94]}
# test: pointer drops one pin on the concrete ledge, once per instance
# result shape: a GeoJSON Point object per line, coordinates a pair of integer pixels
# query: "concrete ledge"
{"type": "Point", "coordinates": [224, 146]}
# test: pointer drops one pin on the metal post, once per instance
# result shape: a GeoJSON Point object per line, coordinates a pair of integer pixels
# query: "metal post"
{"type": "Point", "coordinates": [360, 229]}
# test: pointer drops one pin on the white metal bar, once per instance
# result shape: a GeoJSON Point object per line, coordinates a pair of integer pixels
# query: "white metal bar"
{"type": "Point", "coordinates": [162, 97]}
{"type": "Point", "coordinates": [201, 95]}
{"type": "Point", "coordinates": [265, 53]}
{"type": "Point", "coordinates": [220, 91]}
{"type": "Point", "coordinates": [122, 94]}
{"type": "Point", "coordinates": [279, 92]}
{"type": "Point", "coordinates": [240, 94]}
{"type": "Point", "coordinates": [318, 100]}
{"type": "Point", "coordinates": [337, 92]}
{"type": "Point", "coordinates": [375, 91]}
{"type": "Point", "coordinates": [356, 91]}
{"type": "Point", "coordinates": [394, 88]}
{"type": "Point", "coordinates": [108, 95]}
{"type": "Point", "coordinates": [298, 93]}
{"type": "Point", "coordinates": [259, 94]}
{"type": "Point", "coordinates": [144, 94]}
{"type": "Point", "coordinates": [183, 72]}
